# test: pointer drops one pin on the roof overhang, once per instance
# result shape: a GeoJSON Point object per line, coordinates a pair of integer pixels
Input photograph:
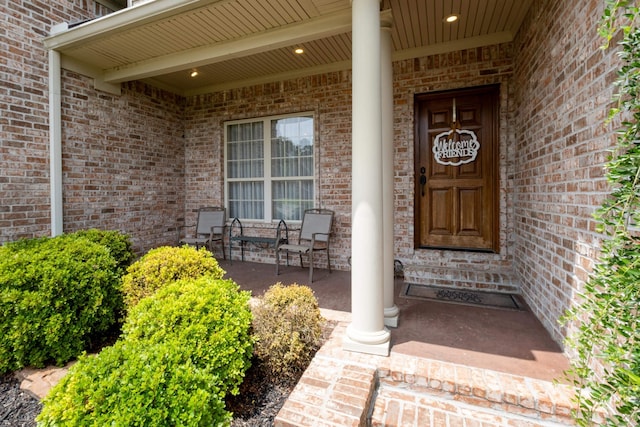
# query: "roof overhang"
{"type": "Point", "coordinates": [233, 43]}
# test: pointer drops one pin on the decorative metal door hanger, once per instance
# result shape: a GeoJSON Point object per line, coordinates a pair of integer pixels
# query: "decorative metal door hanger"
{"type": "Point", "coordinates": [456, 146]}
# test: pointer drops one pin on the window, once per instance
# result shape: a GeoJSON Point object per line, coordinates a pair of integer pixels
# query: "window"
{"type": "Point", "coordinates": [269, 167]}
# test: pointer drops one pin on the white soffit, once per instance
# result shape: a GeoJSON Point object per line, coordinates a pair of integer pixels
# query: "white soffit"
{"type": "Point", "coordinates": [238, 42]}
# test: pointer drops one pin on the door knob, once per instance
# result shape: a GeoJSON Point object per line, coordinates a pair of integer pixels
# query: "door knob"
{"type": "Point", "coordinates": [423, 179]}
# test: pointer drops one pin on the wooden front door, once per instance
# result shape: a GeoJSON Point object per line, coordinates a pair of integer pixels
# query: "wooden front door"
{"type": "Point", "coordinates": [456, 169]}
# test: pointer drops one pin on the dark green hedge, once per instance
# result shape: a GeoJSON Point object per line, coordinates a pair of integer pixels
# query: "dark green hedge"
{"type": "Point", "coordinates": [183, 349]}
{"type": "Point", "coordinates": [118, 244]}
{"type": "Point", "coordinates": [57, 294]}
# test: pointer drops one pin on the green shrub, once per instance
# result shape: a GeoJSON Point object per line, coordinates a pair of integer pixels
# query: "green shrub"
{"type": "Point", "coordinates": [182, 351]}
{"type": "Point", "coordinates": [165, 265]}
{"type": "Point", "coordinates": [606, 338]}
{"type": "Point", "coordinates": [119, 245]}
{"type": "Point", "coordinates": [127, 385]}
{"type": "Point", "coordinates": [288, 328]}
{"type": "Point", "coordinates": [209, 316]}
{"type": "Point", "coordinates": [56, 295]}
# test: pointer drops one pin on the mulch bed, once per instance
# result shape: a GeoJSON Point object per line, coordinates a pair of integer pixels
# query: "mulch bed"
{"type": "Point", "coordinates": [259, 401]}
{"type": "Point", "coordinates": [262, 394]}
{"type": "Point", "coordinates": [17, 408]}
{"type": "Point", "coordinates": [261, 397]}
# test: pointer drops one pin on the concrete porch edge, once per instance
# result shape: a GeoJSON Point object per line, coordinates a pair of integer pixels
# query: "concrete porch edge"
{"type": "Point", "coordinates": [340, 388]}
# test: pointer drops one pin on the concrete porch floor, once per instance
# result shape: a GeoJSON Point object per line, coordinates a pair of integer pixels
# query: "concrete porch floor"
{"type": "Point", "coordinates": [449, 365]}
{"type": "Point", "coordinates": [502, 340]}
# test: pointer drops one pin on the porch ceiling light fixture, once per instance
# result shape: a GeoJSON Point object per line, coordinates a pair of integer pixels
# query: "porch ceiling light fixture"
{"type": "Point", "coordinates": [452, 18]}
{"type": "Point", "coordinates": [193, 73]}
{"type": "Point", "coordinates": [298, 51]}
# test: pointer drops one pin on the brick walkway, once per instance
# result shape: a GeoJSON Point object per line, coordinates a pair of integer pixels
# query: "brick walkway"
{"type": "Point", "coordinates": [350, 389]}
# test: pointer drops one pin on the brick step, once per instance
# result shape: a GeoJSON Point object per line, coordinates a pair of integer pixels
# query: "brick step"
{"type": "Point", "coordinates": [529, 398]}
{"type": "Point", "coordinates": [399, 406]}
{"type": "Point", "coordinates": [460, 278]}
{"type": "Point", "coordinates": [421, 392]}
{"type": "Point", "coordinates": [350, 389]}
{"type": "Point", "coordinates": [331, 393]}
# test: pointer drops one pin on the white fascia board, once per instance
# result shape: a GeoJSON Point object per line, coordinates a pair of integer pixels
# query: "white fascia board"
{"type": "Point", "coordinates": [303, 72]}
{"type": "Point", "coordinates": [152, 81]}
{"type": "Point", "coordinates": [469, 43]}
{"type": "Point", "coordinates": [121, 20]}
{"type": "Point", "coordinates": [273, 39]}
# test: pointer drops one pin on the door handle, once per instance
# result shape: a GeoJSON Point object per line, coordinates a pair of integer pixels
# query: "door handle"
{"type": "Point", "coordinates": [423, 179]}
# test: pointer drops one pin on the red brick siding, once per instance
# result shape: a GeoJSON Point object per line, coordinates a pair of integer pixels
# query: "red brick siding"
{"type": "Point", "coordinates": [562, 84]}
{"type": "Point", "coordinates": [454, 70]}
{"type": "Point", "coordinates": [327, 96]}
{"type": "Point", "coordinates": [24, 111]}
{"type": "Point", "coordinates": [143, 162]}
{"type": "Point", "coordinates": [123, 161]}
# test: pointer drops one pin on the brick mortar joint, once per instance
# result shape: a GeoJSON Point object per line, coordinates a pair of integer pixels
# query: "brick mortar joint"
{"type": "Point", "coordinates": [298, 395]}
{"type": "Point", "coordinates": [440, 385]}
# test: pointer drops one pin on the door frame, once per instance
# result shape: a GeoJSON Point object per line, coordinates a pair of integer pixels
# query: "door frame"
{"type": "Point", "coordinates": [495, 164]}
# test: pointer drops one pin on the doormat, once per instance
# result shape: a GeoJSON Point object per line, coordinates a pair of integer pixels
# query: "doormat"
{"type": "Point", "coordinates": [461, 296]}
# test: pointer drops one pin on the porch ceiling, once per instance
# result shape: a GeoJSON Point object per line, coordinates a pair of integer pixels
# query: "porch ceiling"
{"type": "Point", "coordinates": [232, 43]}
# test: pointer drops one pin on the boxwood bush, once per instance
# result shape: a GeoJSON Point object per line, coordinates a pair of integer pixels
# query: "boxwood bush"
{"type": "Point", "coordinates": [56, 295]}
{"type": "Point", "coordinates": [183, 349]}
{"type": "Point", "coordinates": [288, 328]}
{"type": "Point", "coordinates": [164, 265]}
{"type": "Point", "coordinates": [119, 245]}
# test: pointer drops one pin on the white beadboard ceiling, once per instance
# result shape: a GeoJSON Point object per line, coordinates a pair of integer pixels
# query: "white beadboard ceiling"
{"type": "Point", "coordinates": [236, 42]}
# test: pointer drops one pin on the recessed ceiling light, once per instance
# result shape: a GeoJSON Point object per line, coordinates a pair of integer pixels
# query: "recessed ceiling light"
{"type": "Point", "coordinates": [452, 18]}
{"type": "Point", "coordinates": [194, 73]}
{"type": "Point", "coordinates": [299, 51]}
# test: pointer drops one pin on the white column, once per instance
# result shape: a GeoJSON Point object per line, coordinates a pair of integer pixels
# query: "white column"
{"type": "Point", "coordinates": [55, 143]}
{"type": "Point", "coordinates": [366, 333]}
{"type": "Point", "coordinates": [391, 312]}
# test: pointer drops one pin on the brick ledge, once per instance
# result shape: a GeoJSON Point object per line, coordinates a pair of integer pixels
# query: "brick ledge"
{"type": "Point", "coordinates": [339, 387]}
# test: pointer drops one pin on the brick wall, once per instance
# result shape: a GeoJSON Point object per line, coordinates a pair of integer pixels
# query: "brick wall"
{"type": "Point", "coordinates": [144, 161]}
{"type": "Point", "coordinates": [327, 96]}
{"type": "Point", "coordinates": [123, 156]}
{"type": "Point", "coordinates": [24, 116]}
{"type": "Point", "coordinates": [562, 85]}
{"type": "Point", "coordinates": [123, 161]}
{"type": "Point", "coordinates": [454, 70]}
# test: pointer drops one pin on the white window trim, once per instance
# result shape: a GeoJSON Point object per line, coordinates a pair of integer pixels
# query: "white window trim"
{"type": "Point", "coordinates": [268, 211]}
